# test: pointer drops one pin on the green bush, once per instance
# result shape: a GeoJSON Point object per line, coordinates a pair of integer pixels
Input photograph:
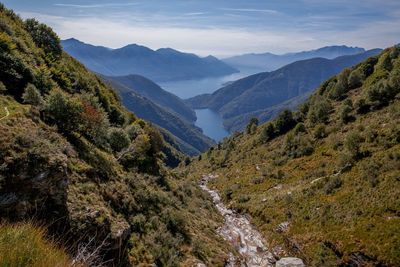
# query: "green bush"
{"type": "Point", "coordinates": [32, 96]}
{"type": "Point", "coordinates": [252, 126]}
{"type": "Point", "coordinates": [332, 185]}
{"type": "Point", "coordinates": [355, 79]}
{"type": "Point", "coordinates": [118, 139]}
{"type": "Point", "coordinates": [345, 111]}
{"type": "Point", "coordinates": [320, 110]}
{"type": "Point", "coordinates": [63, 110]}
{"type": "Point", "coordinates": [267, 133]}
{"type": "Point", "coordinates": [284, 122]}
{"type": "Point", "coordinates": [352, 143]}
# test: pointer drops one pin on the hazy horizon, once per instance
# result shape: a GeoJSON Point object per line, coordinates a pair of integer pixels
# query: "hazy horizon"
{"type": "Point", "coordinates": [221, 28]}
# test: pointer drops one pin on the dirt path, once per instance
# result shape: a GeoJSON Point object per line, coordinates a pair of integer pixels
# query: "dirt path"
{"type": "Point", "coordinates": [7, 114]}
{"type": "Point", "coordinates": [238, 231]}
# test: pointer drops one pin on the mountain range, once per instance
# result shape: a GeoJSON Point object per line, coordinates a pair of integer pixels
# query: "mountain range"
{"type": "Point", "coordinates": [164, 64]}
{"type": "Point", "coordinates": [269, 62]}
{"type": "Point", "coordinates": [261, 94]}
{"type": "Point", "coordinates": [150, 102]}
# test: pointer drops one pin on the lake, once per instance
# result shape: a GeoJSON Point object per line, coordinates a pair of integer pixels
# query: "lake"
{"type": "Point", "coordinates": [211, 123]}
{"type": "Point", "coordinates": [190, 88]}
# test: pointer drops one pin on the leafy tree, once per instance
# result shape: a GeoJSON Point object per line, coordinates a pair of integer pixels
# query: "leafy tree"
{"type": "Point", "coordinates": [32, 96]}
{"type": "Point", "coordinates": [341, 87]}
{"type": "Point", "coordinates": [252, 126]}
{"type": "Point", "coordinates": [94, 123]}
{"type": "Point", "coordinates": [345, 111]}
{"type": "Point", "coordinates": [267, 133]}
{"type": "Point", "coordinates": [355, 79]}
{"type": "Point", "coordinates": [44, 37]}
{"type": "Point", "coordinates": [118, 139]}
{"type": "Point", "coordinates": [320, 110]}
{"type": "Point", "coordinates": [284, 122]}
{"type": "Point", "coordinates": [353, 143]}
{"type": "Point", "coordinates": [63, 110]}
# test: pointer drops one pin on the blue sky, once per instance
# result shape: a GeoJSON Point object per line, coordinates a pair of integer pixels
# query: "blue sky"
{"type": "Point", "coordinates": [221, 27]}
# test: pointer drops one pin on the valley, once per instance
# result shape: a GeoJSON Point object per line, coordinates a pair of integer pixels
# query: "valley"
{"type": "Point", "coordinates": [127, 154]}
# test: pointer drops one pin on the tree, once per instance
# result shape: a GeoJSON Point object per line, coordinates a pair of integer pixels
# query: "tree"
{"type": "Point", "coordinates": [252, 126]}
{"type": "Point", "coordinates": [63, 110]}
{"type": "Point", "coordinates": [44, 37]}
{"type": "Point", "coordinates": [284, 122]}
{"type": "Point", "coordinates": [341, 87]}
{"type": "Point", "coordinates": [355, 79]}
{"type": "Point", "coordinates": [320, 110]}
{"type": "Point", "coordinates": [94, 123]}
{"type": "Point", "coordinates": [118, 139]}
{"type": "Point", "coordinates": [346, 109]}
{"type": "Point", "coordinates": [267, 133]}
{"type": "Point", "coordinates": [32, 96]}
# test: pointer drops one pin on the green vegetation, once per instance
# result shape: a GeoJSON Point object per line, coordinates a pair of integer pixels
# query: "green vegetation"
{"type": "Point", "coordinates": [330, 169]}
{"type": "Point", "coordinates": [74, 159]}
{"type": "Point", "coordinates": [26, 245]}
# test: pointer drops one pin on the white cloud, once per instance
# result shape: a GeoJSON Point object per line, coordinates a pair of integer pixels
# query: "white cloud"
{"type": "Point", "coordinates": [96, 5]}
{"type": "Point", "coordinates": [270, 11]}
{"type": "Point", "coordinates": [218, 41]}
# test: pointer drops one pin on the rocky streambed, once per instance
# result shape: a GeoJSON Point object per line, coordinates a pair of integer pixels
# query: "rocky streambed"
{"type": "Point", "coordinates": [242, 235]}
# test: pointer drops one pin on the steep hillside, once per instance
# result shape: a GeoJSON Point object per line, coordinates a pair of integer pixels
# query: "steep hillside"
{"type": "Point", "coordinates": [164, 64]}
{"type": "Point", "coordinates": [265, 90]}
{"type": "Point", "coordinates": [271, 62]}
{"type": "Point", "coordinates": [156, 94]}
{"type": "Point", "coordinates": [74, 160]}
{"type": "Point", "coordinates": [323, 182]}
{"type": "Point", "coordinates": [194, 141]}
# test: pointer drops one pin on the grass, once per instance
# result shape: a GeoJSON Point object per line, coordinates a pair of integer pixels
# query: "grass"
{"type": "Point", "coordinates": [24, 244]}
{"type": "Point", "coordinates": [336, 213]}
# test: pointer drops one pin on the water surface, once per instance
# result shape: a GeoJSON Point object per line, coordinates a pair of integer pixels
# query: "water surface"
{"type": "Point", "coordinates": [211, 123]}
{"type": "Point", "coordinates": [190, 88]}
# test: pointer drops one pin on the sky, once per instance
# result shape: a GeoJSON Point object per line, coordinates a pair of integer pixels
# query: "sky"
{"type": "Point", "coordinates": [220, 27]}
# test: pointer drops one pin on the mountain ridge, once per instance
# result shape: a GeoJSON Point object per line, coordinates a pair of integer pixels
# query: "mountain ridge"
{"type": "Point", "coordinates": [153, 64]}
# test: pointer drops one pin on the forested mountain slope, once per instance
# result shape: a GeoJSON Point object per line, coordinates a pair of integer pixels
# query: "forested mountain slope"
{"type": "Point", "coordinates": [323, 182]}
{"type": "Point", "coordinates": [74, 160]}
{"type": "Point", "coordinates": [190, 138]}
{"type": "Point", "coordinates": [152, 91]}
{"type": "Point", "coordinates": [251, 95]}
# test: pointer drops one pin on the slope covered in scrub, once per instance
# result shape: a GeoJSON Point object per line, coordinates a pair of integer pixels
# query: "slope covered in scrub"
{"type": "Point", "coordinates": [72, 158]}
{"type": "Point", "coordinates": [323, 182]}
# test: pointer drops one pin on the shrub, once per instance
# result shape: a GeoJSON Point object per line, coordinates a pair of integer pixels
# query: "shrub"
{"type": "Point", "coordinates": [352, 144]}
{"type": "Point", "coordinates": [267, 133]}
{"type": "Point", "coordinates": [332, 184]}
{"type": "Point", "coordinates": [298, 145]}
{"type": "Point", "coordinates": [63, 111]}
{"type": "Point", "coordinates": [362, 106]}
{"type": "Point", "coordinates": [345, 111]}
{"type": "Point", "coordinates": [355, 79]}
{"type": "Point", "coordinates": [32, 96]}
{"type": "Point", "coordinates": [118, 139]}
{"type": "Point", "coordinates": [252, 126]}
{"type": "Point", "coordinates": [94, 121]}
{"type": "Point", "coordinates": [319, 111]}
{"type": "Point", "coordinates": [300, 128]}
{"type": "Point", "coordinates": [284, 122]}
{"type": "Point", "coordinates": [320, 131]}
{"type": "Point", "coordinates": [341, 87]}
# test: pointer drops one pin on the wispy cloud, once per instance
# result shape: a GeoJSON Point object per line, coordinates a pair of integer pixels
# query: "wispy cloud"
{"type": "Point", "coordinates": [195, 14]}
{"type": "Point", "coordinates": [96, 5]}
{"type": "Point", "coordinates": [270, 11]}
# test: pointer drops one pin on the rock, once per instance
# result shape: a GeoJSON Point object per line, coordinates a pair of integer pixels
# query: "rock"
{"type": "Point", "coordinates": [282, 227]}
{"type": "Point", "coordinates": [290, 262]}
